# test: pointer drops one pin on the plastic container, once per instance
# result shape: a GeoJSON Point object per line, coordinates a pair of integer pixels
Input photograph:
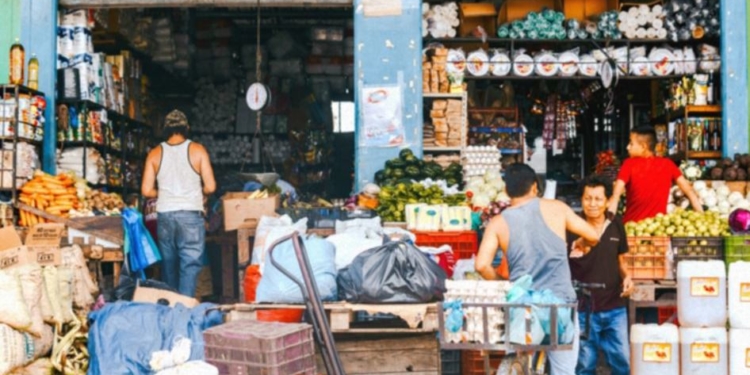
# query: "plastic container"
{"type": "Point", "coordinates": [664, 314]}
{"type": "Point", "coordinates": [701, 293]}
{"type": "Point", "coordinates": [739, 295]}
{"type": "Point", "coordinates": [450, 362]}
{"type": "Point", "coordinates": [251, 347]}
{"type": "Point", "coordinates": [736, 248]}
{"type": "Point", "coordinates": [464, 244]}
{"type": "Point", "coordinates": [739, 351]}
{"type": "Point", "coordinates": [280, 315]}
{"type": "Point", "coordinates": [655, 349]}
{"type": "Point", "coordinates": [697, 248]}
{"type": "Point", "coordinates": [704, 351]}
{"type": "Point", "coordinates": [647, 257]}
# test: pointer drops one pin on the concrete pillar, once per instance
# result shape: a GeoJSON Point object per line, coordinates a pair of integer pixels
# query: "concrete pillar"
{"type": "Point", "coordinates": [388, 51]}
{"type": "Point", "coordinates": [734, 77]}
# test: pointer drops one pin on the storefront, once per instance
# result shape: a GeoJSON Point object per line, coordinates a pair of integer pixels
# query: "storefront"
{"type": "Point", "coordinates": [387, 118]}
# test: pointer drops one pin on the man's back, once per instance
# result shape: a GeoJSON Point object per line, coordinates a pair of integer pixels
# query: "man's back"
{"type": "Point", "coordinates": [536, 245]}
{"type": "Point", "coordinates": [648, 180]}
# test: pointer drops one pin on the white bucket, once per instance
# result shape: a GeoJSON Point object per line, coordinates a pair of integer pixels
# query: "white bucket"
{"type": "Point", "coordinates": [739, 294]}
{"type": "Point", "coordinates": [655, 349]}
{"type": "Point", "coordinates": [703, 351]}
{"type": "Point", "coordinates": [739, 351]}
{"type": "Point", "coordinates": [701, 293]}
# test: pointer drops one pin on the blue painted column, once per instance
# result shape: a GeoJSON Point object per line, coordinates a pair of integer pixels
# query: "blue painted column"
{"type": "Point", "coordinates": [388, 51]}
{"type": "Point", "coordinates": [734, 77]}
{"type": "Point", "coordinates": [39, 36]}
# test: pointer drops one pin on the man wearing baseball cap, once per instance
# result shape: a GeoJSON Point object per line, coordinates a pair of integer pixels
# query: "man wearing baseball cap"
{"type": "Point", "coordinates": [178, 174]}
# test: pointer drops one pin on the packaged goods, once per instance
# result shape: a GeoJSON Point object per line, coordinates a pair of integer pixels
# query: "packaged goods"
{"type": "Point", "coordinates": [703, 351]}
{"type": "Point", "coordinates": [655, 349]}
{"type": "Point", "coordinates": [701, 293]}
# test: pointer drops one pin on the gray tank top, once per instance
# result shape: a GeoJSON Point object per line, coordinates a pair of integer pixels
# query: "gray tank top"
{"type": "Point", "coordinates": [534, 249]}
{"type": "Point", "coordinates": [180, 186]}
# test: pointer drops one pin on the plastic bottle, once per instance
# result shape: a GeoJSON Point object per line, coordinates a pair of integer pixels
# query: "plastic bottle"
{"type": "Point", "coordinates": [739, 351]}
{"type": "Point", "coordinates": [33, 82]}
{"type": "Point", "coordinates": [655, 349]}
{"type": "Point", "coordinates": [17, 60]}
{"type": "Point", "coordinates": [701, 293]}
{"type": "Point", "coordinates": [739, 294]}
{"type": "Point", "coordinates": [703, 351]}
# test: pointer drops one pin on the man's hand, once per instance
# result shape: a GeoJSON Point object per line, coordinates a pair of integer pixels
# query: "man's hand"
{"type": "Point", "coordinates": [579, 248]}
{"type": "Point", "coordinates": [627, 287]}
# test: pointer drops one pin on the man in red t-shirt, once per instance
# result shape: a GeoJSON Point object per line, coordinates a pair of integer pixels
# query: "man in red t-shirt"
{"type": "Point", "coordinates": [648, 179]}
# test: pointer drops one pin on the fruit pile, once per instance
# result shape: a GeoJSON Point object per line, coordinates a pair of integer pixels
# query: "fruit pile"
{"type": "Point", "coordinates": [737, 169]}
{"type": "Point", "coordinates": [97, 203]}
{"type": "Point", "coordinates": [56, 195]}
{"type": "Point", "coordinates": [606, 163]}
{"type": "Point", "coordinates": [392, 200]}
{"type": "Point", "coordinates": [680, 223]}
{"type": "Point", "coordinates": [407, 168]}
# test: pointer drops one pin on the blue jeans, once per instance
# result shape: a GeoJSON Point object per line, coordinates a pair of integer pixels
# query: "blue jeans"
{"type": "Point", "coordinates": [609, 333]}
{"type": "Point", "coordinates": [182, 240]}
{"type": "Point", "coordinates": [563, 362]}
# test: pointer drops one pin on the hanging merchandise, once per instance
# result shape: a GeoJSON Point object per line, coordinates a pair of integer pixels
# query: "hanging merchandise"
{"type": "Point", "coordinates": [33, 82]}
{"type": "Point", "coordinates": [17, 61]}
{"type": "Point", "coordinates": [548, 134]}
{"type": "Point", "coordinates": [140, 249]}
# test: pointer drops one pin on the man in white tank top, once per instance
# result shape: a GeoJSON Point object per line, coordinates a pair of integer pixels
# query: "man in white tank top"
{"type": "Point", "coordinates": [182, 171]}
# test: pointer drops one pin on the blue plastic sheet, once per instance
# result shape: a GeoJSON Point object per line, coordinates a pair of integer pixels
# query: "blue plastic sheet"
{"type": "Point", "coordinates": [123, 335]}
{"type": "Point", "coordinates": [276, 287]}
{"type": "Point", "coordinates": [455, 319]}
{"type": "Point", "coordinates": [540, 316]}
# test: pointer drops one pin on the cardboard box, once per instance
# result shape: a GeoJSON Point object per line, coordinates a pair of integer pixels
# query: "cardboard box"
{"type": "Point", "coordinates": [43, 243]}
{"type": "Point", "coordinates": [583, 10]}
{"type": "Point", "coordinates": [12, 251]}
{"type": "Point", "coordinates": [240, 212]}
{"type": "Point", "coordinates": [477, 14]}
{"type": "Point", "coordinates": [513, 10]}
{"type": "Point", "coordinates": [152, 295]}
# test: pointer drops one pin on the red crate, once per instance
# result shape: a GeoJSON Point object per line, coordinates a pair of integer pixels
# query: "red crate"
{"type": "Point", "coordinates": [665, 313]}
{"type": "Point", "coordinates": [250, 347]}
{"type": "Point", "coordinates": [464, 244]}
{"type": "Point", "coordinates": [472, 362]}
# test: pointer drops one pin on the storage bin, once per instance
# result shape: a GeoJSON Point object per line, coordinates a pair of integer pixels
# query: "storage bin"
{"type": "Point", "coordinates": [697, 248]}
{"type": "Point", "coordinates": [450, 362]}
{"type": "Point", "coordinates": [703, 351]}
{"type": "Point", "coordinates": [647, 257]}
{"type": "Point", "coordinates": [736, 248]}
{"type": "Point", "coordinates": [702, 293]}
{"type": "Point", "coordinates": [464, 244]}
{"type": "Point", "coordinates": [655, 349]}
{"type": "Point", "coordinates": [472, 362]}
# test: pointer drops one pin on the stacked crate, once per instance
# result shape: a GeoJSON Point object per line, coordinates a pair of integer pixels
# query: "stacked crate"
{"type": "Point", "coordinates": [250, 347]}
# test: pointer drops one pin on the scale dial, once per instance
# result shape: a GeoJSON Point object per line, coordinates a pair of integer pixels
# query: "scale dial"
{"type": "Point", "coordinates": [258, 96]}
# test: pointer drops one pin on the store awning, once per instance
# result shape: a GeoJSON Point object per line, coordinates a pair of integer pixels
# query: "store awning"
{"type": "Point", "coordinates": [200, 3]}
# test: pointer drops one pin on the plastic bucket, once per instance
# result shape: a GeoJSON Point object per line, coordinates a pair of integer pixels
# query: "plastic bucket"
{"type": "Point", "coordinates": [280, 315]}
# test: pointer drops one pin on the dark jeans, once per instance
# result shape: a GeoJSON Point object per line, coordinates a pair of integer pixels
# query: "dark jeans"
{"type": "Point", "coordinates": [182, 240]}
{"type": "Point", "coordinates": [609, 332]}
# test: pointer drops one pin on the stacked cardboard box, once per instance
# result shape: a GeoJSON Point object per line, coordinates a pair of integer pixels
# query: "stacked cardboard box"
{"type": "Point", "coordinates": [445, 128]}
{"type": "Point", "coordinates": [434, 75]}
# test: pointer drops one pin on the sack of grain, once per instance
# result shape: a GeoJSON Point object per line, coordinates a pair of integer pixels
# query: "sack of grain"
{"type": "Point", "coordinates": [13, 310]}
{"type": "Point", "coordinates": [30, 277]}
{"type": "Point", "coordinates": [52, 288]}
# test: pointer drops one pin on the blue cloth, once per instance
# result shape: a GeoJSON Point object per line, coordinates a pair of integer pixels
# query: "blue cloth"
{"type": "Point", "coordinates": [276, 287]}
{"type": "Point", "coordinates": [182, 239]}
{"type": "Point", "coordinates": [252, 186]}
{"type": "Point", "coordinates": [608, 332]}
{"type": "Point", "coordinates": [522, 293]}
{"type": "Point", "coordinates": [123, 335]}
{"type": "Point", "coordinates": [534, 249]}
{"type": "Point", "coordinates": [139, 246]}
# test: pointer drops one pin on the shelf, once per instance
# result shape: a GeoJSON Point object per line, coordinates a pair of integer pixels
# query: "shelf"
{"type": "Point", "coordinates": [111, 114]}
{"type": "Point", "coordinates": [104, 149]}
{"type": "Point", "coordinates": [21, 90]}
{"type": "Point", "coordinates": [429, 40]}
{"type": "Point", "coordinates": [702, 109]}
{"type": "Point", "coordinates": [704, 155]}
{"type": "Point", "coordinates": [20, 139]}
{"type": "Point", "coordinates": [85, 103]}
{"type": "Point", "coordinates": [510, 151]}
{"type": "Point", "coordinates": [434, 95]}
{"type": "Point", "coordinates": [682, 112]}
{"type": "Point", "coordinates": [440, 149]}
{"type": "Point", "coordinates": [571, 78]}
{"type": "Point", "coordinates": [487, 129]}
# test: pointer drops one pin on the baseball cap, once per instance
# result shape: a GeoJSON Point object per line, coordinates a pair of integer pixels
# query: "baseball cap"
{"type": "Point", "coordinates": [175, 118]}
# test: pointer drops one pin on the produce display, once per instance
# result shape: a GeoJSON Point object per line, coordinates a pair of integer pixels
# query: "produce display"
{"type": "Point", "coordinates": [98, 203]}
{"type": "Point", "coordinates": [680, 223]}
{"type": "Point", "coordinates": [717, 198]}
{"type": "Point", "coordinates": [394, 198]}
{"type": "Point", "coordinates": [56, 195]}
{"type": "Point", "coordinates": [483, 190]}
{"type": "Point", "coordinates": [407, 168]}
{"type": "Point", "coordinates": [737, 169]}
{"type": "Point", "coordinates": [607, 164]}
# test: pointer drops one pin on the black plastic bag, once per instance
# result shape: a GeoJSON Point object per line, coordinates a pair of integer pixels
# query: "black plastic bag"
{"type": "Point", "coordinates": [396, 272]}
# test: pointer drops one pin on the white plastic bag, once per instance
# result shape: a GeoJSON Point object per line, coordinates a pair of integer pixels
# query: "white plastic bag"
{"type": "Point", "coordinates": [349, 245]}
{"type": "Point", "coordinates": [191, 368]}
{"type": "Point", "coordinates": [357, 225]}
{"type": "Point", "coordinates": [270, 229]}
{"type": "Point", "coordinates": [13, 309]}
{"type": "Point", "coordinates": [463, 266]}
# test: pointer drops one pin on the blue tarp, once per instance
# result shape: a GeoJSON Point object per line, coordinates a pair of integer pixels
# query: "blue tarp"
{"type": "Point", "coordinates": [123, 335]}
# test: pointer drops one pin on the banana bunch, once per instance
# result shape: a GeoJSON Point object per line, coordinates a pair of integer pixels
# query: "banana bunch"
{"type": "Point", "coordinates": [258, 194]}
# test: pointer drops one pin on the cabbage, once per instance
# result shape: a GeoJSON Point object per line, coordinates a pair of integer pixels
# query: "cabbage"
{"type": "Point", "coordinates": [724, 207]}
{"type": "Point", "coordinates": [481, 200]}
{"type": "Point", "coordinates": [502, 197]}
{"type": "Point", "coordinates": [700, 185]}
{"type": "Point", "coordinates": [734, 198]}
{"type": "Point", "coordinates": [475, 183]}
{"type": "Point", "coordinates": [710, 201]}
{"type": "Point", "coordinates": [491, 174]}
{"type": "Point", "coordinates": [498, 183]}
{"type": "Point", "coordinates": [723, 191]}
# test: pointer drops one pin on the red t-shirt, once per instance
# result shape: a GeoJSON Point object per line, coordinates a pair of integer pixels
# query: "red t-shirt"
{"type": "Point", "coordinates": [648, 181]}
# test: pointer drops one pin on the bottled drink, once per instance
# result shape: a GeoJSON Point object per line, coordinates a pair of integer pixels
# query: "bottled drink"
{"type": "Point", "coordinates": [17, 59]}
{"type": "Point", "coordinates": [716, 136]}
{"type": "Point", "coordinates": [33, 73]}
{"type": "Point", "coordinates": [710, 95]}
{"type": "Point", "coordinates": [706, 136]}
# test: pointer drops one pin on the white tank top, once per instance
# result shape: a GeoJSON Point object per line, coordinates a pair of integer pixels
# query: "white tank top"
{"type": "Point", "coordinates": [180, 187]}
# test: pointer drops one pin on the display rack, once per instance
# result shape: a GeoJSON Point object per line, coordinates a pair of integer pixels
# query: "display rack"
{"type": "Point", "coordinates": [514, 130]}
{"type": "Point", "coordinates": [464, 106]}
{"type": "Point", "coordinates": [11, 121]}
{"type": "Point", "coordinates": [684, 114]}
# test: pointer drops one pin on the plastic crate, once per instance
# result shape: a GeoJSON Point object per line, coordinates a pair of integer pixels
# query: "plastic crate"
{"type": "Point", "coordinates": [697, 248]}
{"type": "Point", "coordinates": [250, 347]}
{"type": "Point", "coordinates": [450, 362]}
{"type": "Point", "coordinates": [325, 217]}
{"type": "Point", "coordinates": [666, 313]}
{"type": "Point", "coordinates": [472, 362]}
{"type": "Point", "coordinates": [736, 248]}
{"type": "Point", "coordinates": [464, 244]}
{"type": "Point", "coordinates": [647, 257]}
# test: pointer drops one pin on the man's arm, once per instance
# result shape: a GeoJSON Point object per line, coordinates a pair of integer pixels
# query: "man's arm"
{"type": "Point", "coordinates": [627, 282]}
{"type": "Point", "coordinates": [687, 189]}
{"type": "Point", "coordinates": [489, 247]}
{"type": "Point", "coordinates": [148, 184]}
{"type": "Point", "coordinates": [576, 225]}
{"type": "Point", "coordinates": [616, 194]}
{"type": "Point", "coordinates": [207, 172]}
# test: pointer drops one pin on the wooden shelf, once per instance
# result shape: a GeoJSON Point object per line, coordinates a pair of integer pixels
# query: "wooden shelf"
{"type": "Point", "coordinates": [702, 109]}
{"type": "Point", "coordinates": [704, 155]}
{"type": "Point", "coordinates": [441, 149]}
{"type": "Point", "coordinates": [435, 95]}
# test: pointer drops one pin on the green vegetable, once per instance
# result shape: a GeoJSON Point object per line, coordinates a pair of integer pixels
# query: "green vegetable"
{"type": "Point", "coordinates": [404, 153]}
{"type": "Point", "coordinates": [398, 173]}
{"type": "Point", "coordinates": [379, 176]}
{"type": "Point", "coordinates": [388, 172]}
{"type": "Point", "coordinates": [412, 171]}
{"type": "Point", "coordinates": [410, 159]}
{"type": "Point", "coordinates": [397, 163]}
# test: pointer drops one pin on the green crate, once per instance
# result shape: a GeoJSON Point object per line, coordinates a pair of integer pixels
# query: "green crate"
{"type": "Point", "coordinates": [736, 248]}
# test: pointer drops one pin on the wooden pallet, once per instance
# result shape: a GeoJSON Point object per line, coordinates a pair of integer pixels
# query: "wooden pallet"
{"type": "Point", "coordinates": [341, 316]}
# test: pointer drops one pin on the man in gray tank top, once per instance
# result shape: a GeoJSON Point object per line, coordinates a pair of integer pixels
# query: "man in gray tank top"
{"type": "Point", "coordinates": [531, 235]}
{"type": "Point", "coordinates": [182, 170]}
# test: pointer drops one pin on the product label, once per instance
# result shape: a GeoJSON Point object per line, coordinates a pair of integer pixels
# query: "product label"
{"type": "Point", "coordinates": [704, 353]}
{"type": "Point", "coordinates": [16, 65]}
{"type": "Point", "coordinates": [747, 357]}
{"type": "Point", "coordinates": [704, 286]}
{"type": "Point", "coordinates": [744, 292]}
{"type": "Point", "coordinates": [657, 352]}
